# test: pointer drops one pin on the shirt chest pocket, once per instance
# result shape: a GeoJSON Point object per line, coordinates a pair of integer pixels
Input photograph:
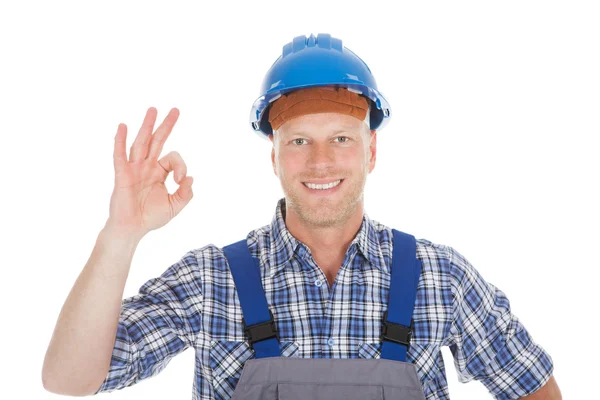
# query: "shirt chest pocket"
{"type": "Point", "coordinates": [227, 358]}
{"type": "Point", "coordinates": [369, 350]}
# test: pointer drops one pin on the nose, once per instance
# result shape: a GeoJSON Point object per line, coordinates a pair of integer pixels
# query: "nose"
{"type": "Point", "coordinates": [321, 156]}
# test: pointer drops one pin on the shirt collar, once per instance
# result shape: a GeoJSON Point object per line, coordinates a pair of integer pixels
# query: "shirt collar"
{"type": "Point", "coordinates": [284, 246]}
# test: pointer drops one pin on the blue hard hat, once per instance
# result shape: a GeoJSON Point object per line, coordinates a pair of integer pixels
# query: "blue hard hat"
{"type": "Point", "coordinates": [320, 61]}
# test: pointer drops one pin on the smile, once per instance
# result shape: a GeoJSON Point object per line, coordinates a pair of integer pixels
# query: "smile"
{"type": "Point", "coordinates": [322, 186]}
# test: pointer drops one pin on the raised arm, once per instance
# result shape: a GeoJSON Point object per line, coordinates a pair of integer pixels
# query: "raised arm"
{"type": "Point", "coordinates": [78, 357]}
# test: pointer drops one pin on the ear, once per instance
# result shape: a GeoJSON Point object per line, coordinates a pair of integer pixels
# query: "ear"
{"type": "Point", "coordinates": [273, 156]}
{"type": "Point", "coordinates": [372, 150]}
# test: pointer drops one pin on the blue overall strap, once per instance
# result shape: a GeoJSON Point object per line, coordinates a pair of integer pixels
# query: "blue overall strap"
{"type": "Point", "coordinates": [259, 325]}
{"type": "Point", "coordinates": [397, 320]}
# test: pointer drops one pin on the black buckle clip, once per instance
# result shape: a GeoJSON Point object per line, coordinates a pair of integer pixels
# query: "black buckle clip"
{"type": "Point", "coordinates": [261, 331]}
{"type": "Point", "coordinates": [395, 332]}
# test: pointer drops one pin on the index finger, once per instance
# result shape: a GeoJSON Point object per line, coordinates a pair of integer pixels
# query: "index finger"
{"type": "Point", "coordinates": [162, 133]}
{"type": "Point", "coordinates": [119, 151]}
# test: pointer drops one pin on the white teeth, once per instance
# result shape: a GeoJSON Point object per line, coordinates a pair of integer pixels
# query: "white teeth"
{"type": "Point", "coordinates": [323, 186]}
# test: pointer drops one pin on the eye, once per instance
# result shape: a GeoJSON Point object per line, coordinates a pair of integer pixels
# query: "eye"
{"type": "Point", "coordinates": [343, 137]}
{"type": "Point", "coordinates": [295, 141]}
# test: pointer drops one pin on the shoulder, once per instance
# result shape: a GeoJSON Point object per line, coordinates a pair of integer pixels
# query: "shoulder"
{"type": "Point", "coordinates": [427, 251]}
{"type": "Point", "coordinates": [441, 260]}
{"type": "Point", "coordinates": [212, 255]}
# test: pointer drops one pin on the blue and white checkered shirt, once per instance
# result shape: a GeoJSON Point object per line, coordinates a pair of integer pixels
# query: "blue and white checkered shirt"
{"type": "Point", "coordinates": [194, 304]}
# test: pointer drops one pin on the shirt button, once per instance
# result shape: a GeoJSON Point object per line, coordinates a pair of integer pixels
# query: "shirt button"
{"type": "Point", "coordinates": [318, 282]}
{"type": "Point", "coordinates": [330, 342]}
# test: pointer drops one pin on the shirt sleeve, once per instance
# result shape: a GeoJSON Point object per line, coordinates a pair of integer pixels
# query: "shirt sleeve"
{"type": "Point", "coordinates": [488, 342]}
{"type": "Point", "coordinates": [156, 324]}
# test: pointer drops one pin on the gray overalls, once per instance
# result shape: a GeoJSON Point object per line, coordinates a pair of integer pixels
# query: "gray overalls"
{"type": "Point", "coordinates": [270, 376]}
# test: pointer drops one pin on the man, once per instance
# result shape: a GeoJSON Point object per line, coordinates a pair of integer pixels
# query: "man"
{"type": "Point", "coordinates": [322, 303]}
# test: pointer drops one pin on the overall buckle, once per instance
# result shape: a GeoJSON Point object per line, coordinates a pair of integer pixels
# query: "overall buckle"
{"type": "Point", "coordinates": [261, 331]}
{"type": "Point", "coordinates": [395, 332]}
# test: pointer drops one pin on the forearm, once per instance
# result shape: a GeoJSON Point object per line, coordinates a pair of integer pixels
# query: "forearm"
{"type": "Point", "coordinates": [549, 391]}
{"type": "Point", "coordinates": [79, 353]}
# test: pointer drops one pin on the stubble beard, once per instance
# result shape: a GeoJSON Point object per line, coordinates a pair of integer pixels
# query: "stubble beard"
{"type": "Point", "coordinates": [325, 212]}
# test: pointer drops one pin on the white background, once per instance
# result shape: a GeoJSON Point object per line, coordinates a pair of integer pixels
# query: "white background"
{"type": "Point", "coordinates": [492, 149]}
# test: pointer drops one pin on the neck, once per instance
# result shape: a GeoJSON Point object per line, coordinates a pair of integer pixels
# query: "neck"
{"type": "Point", "coordinates": [327, 244]}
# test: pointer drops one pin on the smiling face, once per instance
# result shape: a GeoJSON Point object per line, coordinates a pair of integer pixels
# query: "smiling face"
{"type": "Point", "coordinates": [323, 149]}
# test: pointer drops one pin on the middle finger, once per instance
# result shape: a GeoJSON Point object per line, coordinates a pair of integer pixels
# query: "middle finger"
{"type": "Point", "coordinates": [162, 133]}
{"type": "Point", "coordinates": [139, 148]}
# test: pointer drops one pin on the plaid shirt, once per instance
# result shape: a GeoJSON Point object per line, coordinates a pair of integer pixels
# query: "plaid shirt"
{"type": "Point", "coordinates": [194, 304]}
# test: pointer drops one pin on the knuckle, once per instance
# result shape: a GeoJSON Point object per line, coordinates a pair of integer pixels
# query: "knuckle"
{"type": "Point", "coordinates": [165, 165]}
{"type": "Point", "coordinates": [177, 158]}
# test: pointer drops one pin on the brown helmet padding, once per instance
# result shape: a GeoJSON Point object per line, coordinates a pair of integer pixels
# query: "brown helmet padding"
{"type": "Point", "coordinates": [314, 100]}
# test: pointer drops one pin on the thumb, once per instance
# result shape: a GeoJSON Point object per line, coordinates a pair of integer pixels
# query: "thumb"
{"type": "Point", "coordinates": [182, 195]}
